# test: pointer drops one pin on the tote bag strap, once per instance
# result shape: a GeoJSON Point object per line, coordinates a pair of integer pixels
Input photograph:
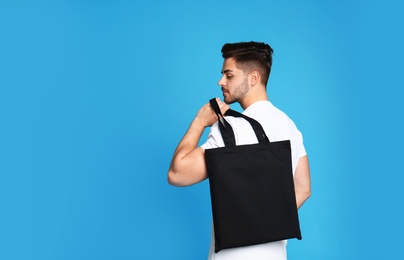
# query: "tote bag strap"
{"type": "Point", "coordinates": [227, 131]}
{"type": "Point", "coordinates": [225, 128]}
{"type": "Point", "coordinates": [257, 127]}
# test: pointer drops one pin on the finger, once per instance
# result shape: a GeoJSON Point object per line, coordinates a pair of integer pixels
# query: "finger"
{"type": "Point", "coordinates": [224, 107]}
{"type": "Point", "coordinates": [219, 102]}
{"type": "Point", "coordinates": [222, 104]}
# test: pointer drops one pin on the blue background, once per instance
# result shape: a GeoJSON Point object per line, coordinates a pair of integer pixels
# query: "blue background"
{"type": "Point", "coordinates": [95, 96]}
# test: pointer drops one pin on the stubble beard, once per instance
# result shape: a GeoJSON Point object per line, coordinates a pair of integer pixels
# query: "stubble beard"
{"type": "Point", "coordinates": [238, 94]}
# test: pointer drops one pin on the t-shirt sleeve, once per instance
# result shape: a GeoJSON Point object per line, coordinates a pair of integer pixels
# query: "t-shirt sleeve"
{"type": "Point", "coordinates": [297, 138]}
{"type": "Point", "coordinates": [297, 145]}
{"type": "Point", "coordinates": [214, 138]}
{"type": "Point", "coordinates": [301, 150]}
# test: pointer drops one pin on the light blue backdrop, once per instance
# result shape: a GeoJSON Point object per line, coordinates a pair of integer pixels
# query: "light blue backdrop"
{"type": "Point", "coordinates": [95, 96]}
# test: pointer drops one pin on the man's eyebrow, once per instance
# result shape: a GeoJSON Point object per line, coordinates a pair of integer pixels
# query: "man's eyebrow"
{"type": "Point", "coordinates": [226, 71]}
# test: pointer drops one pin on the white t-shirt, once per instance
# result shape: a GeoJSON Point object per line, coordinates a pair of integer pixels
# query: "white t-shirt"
{"type": "Point", "coordinates": [278, 127]}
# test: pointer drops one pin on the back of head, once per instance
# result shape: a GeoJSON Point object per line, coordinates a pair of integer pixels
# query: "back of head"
{"type": "Point", "coordinates": [250, 56]}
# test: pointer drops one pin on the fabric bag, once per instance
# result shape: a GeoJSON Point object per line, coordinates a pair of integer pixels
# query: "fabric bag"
{"type": "Point", "coordinates": [251, 187]}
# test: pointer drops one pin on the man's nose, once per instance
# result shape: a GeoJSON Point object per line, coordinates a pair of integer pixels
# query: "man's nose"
{"type": "Point", "coordinates": [221, 82]}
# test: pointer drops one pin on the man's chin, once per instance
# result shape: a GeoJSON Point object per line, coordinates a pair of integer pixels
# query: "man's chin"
{"type": "Point", "coordinates": [228, 101]}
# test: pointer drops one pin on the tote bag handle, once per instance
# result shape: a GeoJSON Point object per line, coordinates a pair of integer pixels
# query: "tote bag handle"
{"type": "Point", "coordinates": [226, 129]}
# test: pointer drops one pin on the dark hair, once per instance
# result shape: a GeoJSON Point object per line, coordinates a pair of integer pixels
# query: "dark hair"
{"type": "Point", "coordinates": [250, 56]}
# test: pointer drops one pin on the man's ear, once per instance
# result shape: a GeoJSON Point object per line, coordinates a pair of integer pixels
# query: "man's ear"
{"type": "Point", "coordinates": [255, 78]}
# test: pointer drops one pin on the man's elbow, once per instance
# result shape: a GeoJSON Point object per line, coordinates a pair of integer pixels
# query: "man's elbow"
{"type": "Point", "coordinates": [305, 194]}
{"type": "Point", "coordinates": [302, 194]}
{"type": "Point", "coordinates": [308, 193]}
{"type": "Point", "coordinates": [173, 179]}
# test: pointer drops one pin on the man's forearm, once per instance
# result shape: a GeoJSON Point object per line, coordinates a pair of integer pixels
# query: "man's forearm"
{"type": "Point", "coordinates": [190, 140]}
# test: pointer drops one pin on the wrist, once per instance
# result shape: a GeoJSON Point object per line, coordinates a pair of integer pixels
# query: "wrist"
{"type": "Point", "coordinates": [199, 123]}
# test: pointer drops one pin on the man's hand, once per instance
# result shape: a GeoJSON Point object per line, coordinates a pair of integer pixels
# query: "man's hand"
{"type": "Point", "coordinates": [206, 116]}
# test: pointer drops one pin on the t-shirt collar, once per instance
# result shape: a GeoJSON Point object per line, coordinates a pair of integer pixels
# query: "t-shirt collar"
{"type": "Point", "coordinates": [257, 104]}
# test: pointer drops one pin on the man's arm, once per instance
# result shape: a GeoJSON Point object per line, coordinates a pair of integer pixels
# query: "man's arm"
{"type": "Point", "coordinates": [188, 162]}
{"type": "Point", "coordinates": [302, 181]}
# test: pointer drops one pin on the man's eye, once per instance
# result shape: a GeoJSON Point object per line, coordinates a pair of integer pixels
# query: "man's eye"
{"type": "Point", "coordinates": [229, 76]}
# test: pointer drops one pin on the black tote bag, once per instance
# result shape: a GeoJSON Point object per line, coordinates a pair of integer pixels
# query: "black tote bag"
{"type": "Point", "coordinates": [252, 190]}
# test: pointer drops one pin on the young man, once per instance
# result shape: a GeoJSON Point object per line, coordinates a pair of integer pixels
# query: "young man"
{"type": "Point", "coordinates": [246, 69]}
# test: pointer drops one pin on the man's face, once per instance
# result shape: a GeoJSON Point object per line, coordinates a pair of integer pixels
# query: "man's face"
{"type": "Point", "coordinates": [234, 82]}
